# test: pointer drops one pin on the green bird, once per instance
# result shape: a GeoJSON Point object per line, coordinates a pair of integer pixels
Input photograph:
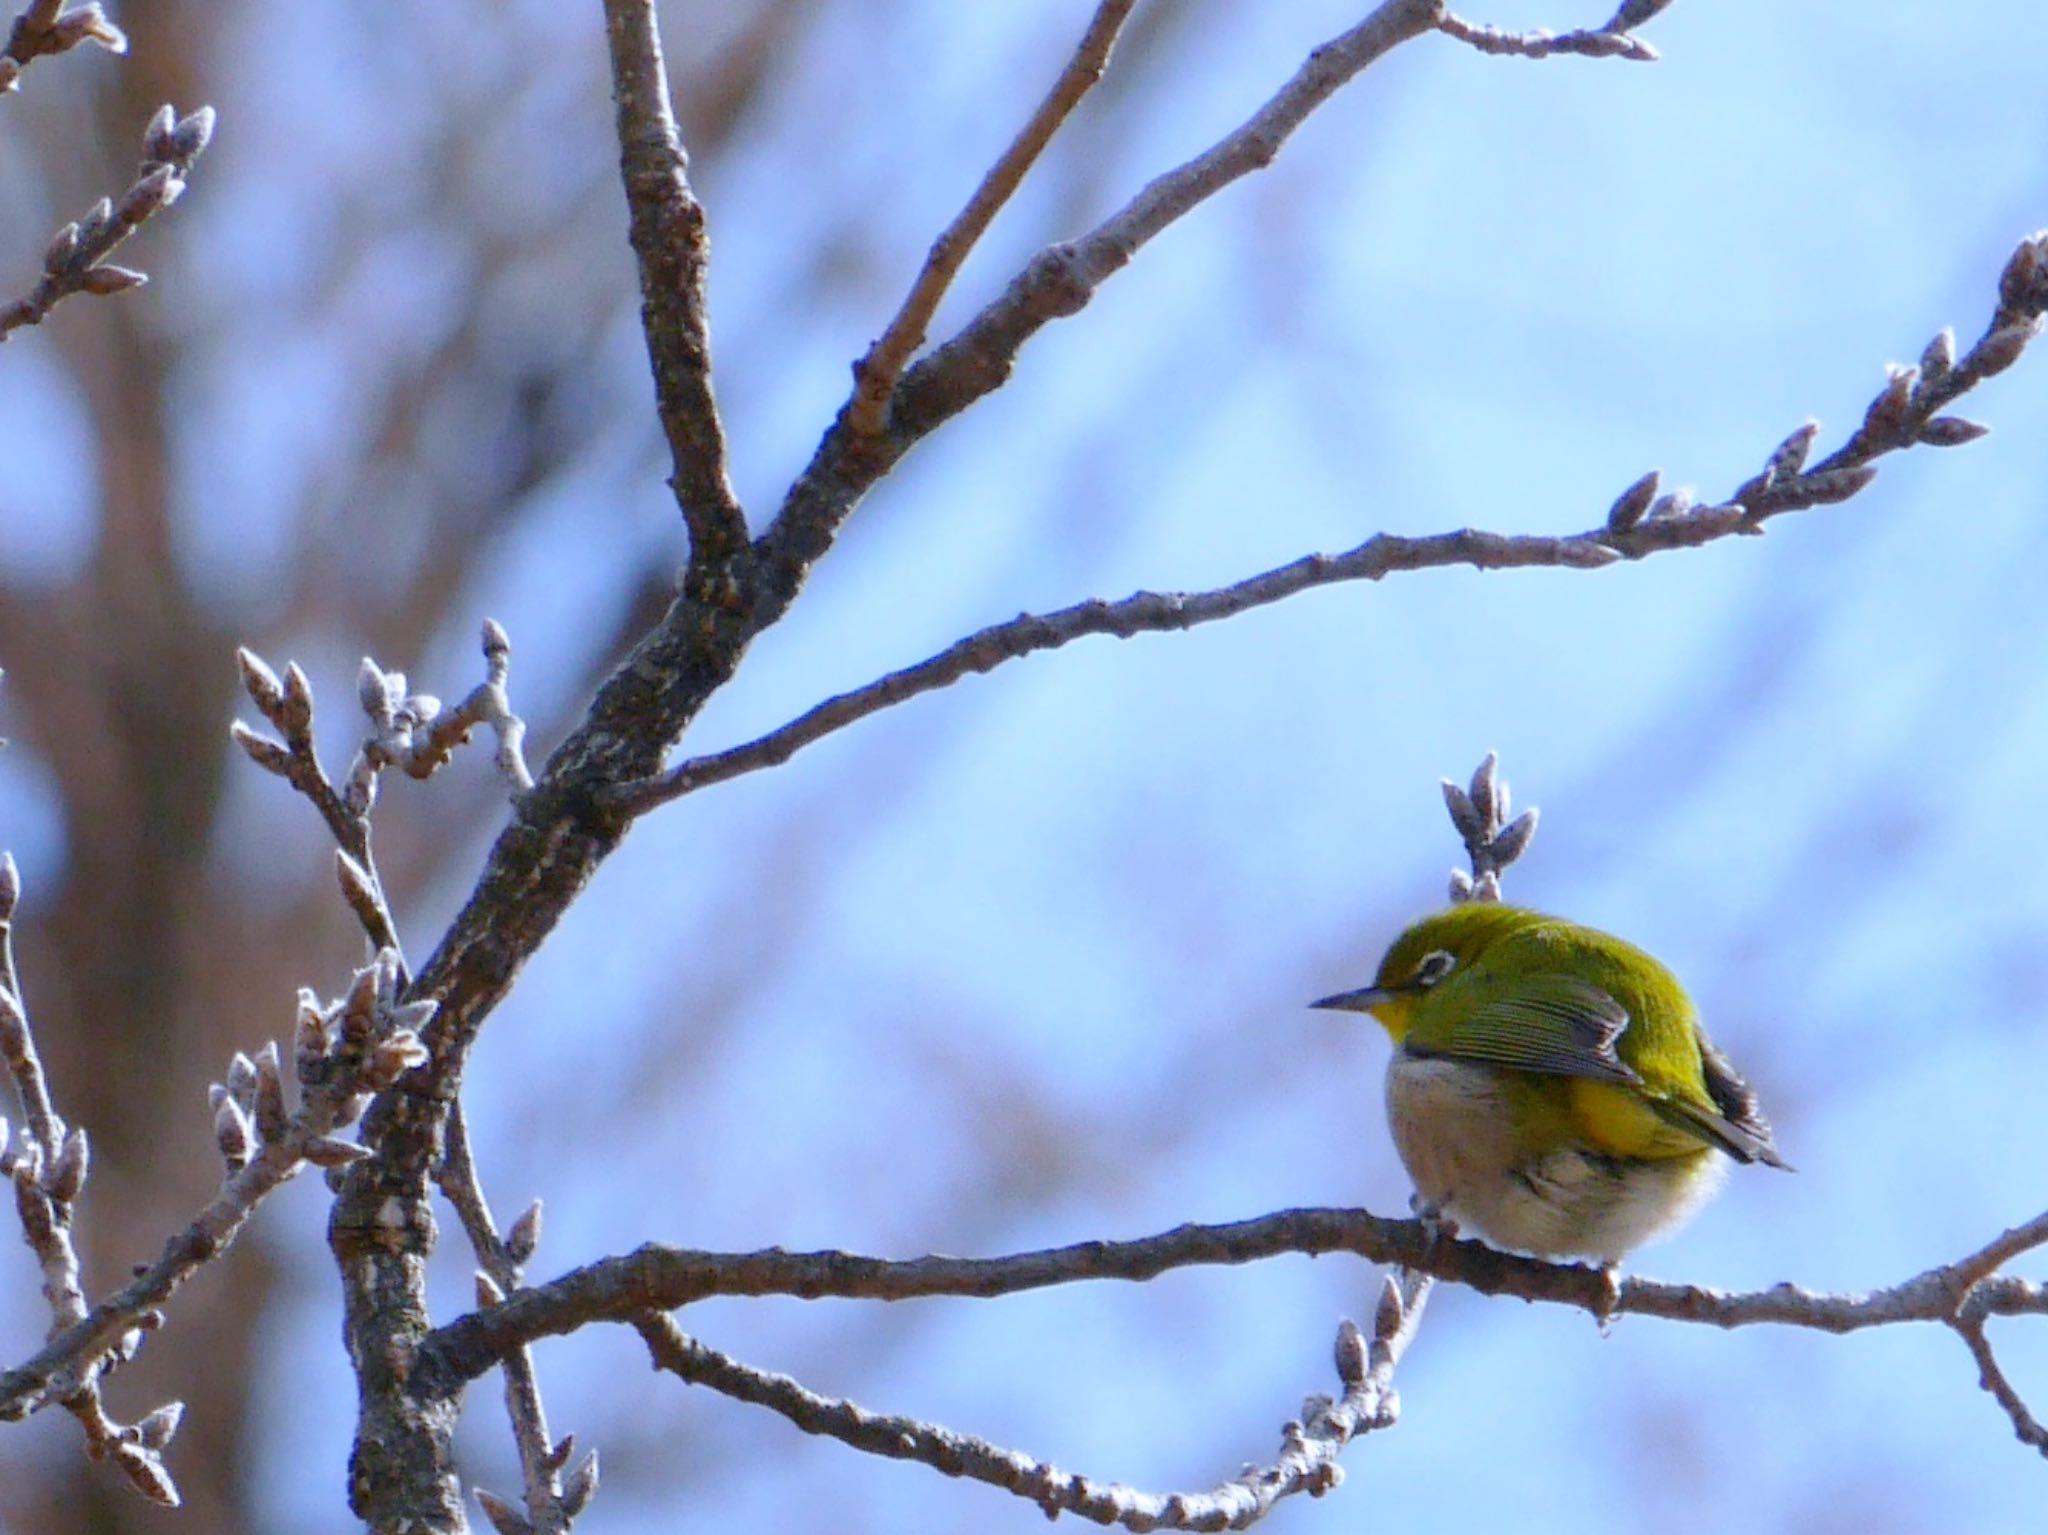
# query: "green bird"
{"type": "Point", "coordinates": [1551, 1086]}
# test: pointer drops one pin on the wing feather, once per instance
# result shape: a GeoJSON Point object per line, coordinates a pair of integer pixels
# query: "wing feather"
{"type": "Point", "coordinates": [1545, 1022]}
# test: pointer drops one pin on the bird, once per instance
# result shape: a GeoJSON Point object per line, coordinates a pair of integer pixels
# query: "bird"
{"type": "Point", "coordinates": [1551, 1087]}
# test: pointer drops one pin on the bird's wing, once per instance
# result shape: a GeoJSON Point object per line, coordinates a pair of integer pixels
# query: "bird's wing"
{"type": "Point", "coordinates": [1740, 1128]}
{"type": "Point", "coordinates": [1547, 1022]}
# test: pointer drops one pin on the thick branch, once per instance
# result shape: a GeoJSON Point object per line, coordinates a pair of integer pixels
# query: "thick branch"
{"type": "Point", "coordinates": [876, 374]}
{"type": "Point", "coordinates": [672, 250]}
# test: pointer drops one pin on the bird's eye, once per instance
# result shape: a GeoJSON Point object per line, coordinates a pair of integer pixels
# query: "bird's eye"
{"type": "Point", "coordinates": [1435, 965]}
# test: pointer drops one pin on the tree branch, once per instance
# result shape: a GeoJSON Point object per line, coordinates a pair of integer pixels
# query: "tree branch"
{"type": "Point", "coordinates": [1641, 523]}
{"type": "Point", "coordinates": [75, 261]}
{"type": "Point", "coordinates": [1058, 281]}
{"type": "Point", "coordinates": [615, 1289]}
{"type": "Point", "coordinates": [876, 374]}
{"type": "Point", "coordinates": [45, 28]}
{"type": "Point", "coordinates": [382, 1228]}
{"type": "Point", "coordinates": [500, 1263]}
{"type": "Point", "coordinates": [1307, 1462]}
{"type": "Point", "coordinates": [46, 1173]}
{"type": "Point", "coordinates": [671, 248]}
{"type": "Point", "coordinates": [412, 732]}
{"type": "Point", "coordinates": [341, 1053]}
{"type": "Point", "coordinates": [1608, 42]}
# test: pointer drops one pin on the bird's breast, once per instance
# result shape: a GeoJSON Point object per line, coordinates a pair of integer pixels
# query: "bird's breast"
{"type": "Point", "coordinates": [1504, 1152]}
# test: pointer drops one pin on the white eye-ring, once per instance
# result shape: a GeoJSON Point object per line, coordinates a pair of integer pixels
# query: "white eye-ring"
{"type": "Point", "coordinates": [1435, 965]}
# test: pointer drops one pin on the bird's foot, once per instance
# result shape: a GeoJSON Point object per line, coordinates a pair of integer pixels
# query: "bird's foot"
{"type": "Point", "coordinates": [1436, 1223]}
{"type": "Point", "coordinates": [1608, 1304]}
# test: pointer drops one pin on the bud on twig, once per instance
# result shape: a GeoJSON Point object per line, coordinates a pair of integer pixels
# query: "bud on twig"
{"type": "Point", "coordinates": [108, 278]}
{"type": "Point", "coordinates": [295, 712]}
{"type": "Point", "coordinates": [230, 1130]}
{"type": "Point", "coordinates": [273, 1123]}
{"type": "Point", "coordinates": [1630, 505]}
{"type": "Point", "coordinates": [267, 754]}
{"type": "Point", "coordinates": [1951, 431]}
{"type": "Point", "coordinates": [1350, 1348]}
{"type": "Point", "coordinates": [582, 1483]}
{"type": "Point", "coordinates": [1464, 815]}
{"type": "Point", "coordinates": [1938, 360]}
{"type": "Point", "coordinates": [1482, 790]}
{"type": "Point", "coordinates": [193, 133]}
{"type": "Point", "coordinates": [156, 1431]}
{"type": "Point", "coordinates": [146, 1474]}
{"type": "Point", "coordinates": [524, 1236]}
{"type": "Point", "coordinates": [2001, 349]}
{"type": "Point", "coordinates": [1513, 840]}
{"type": "Point", "coordinates": [326, 1151]}
{"type": "Point", "coordinates": [66, 1177]}
{"type": "Point", "coordinates": [504, 1517]}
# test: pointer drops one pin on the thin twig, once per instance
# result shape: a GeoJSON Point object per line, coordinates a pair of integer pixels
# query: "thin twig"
{"type": "Point", "coordinates": [342, 1052]}
{"type": "Point", "coordinates": [1588, 42]}
{"type": "Point", "coordinates": [1479, 813]}
{"type": "Point", "coordinates": [17, 1042]}
{"type": "Point", "coordinates": [45, 28]}
{"type": "Point", "coordinates": [1641, 522]}
{"type": "Point", "coordinates": [409, 731]}
{"type": "Point", "coordinates": [1140, 613]}
{"type": "Point", "coordinates": [415, 734]}
{"type": "Point", "coordinates": [876, 373]}
{"type": "Point", "coordinates": [1991, 1376]}
{"type": "Point", "coordinates": [75, 261]}
{"type": "Point", "coordinates": [1307, 1461]}
{"type": "Point", "coordinates": [47, 1174]}
{"type": "Point", "coordinates": [459, 1181]}
{"type": "Point", "coordinates": [670, 246]}
{"type": "Point", "coordinates": [287, 704]}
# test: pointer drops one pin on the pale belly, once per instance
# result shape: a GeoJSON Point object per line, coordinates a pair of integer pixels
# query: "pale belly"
{"type": "Point", "coordinates": [1449, 1125]}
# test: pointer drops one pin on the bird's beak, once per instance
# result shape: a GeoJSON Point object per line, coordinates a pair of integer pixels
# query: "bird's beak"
{"type": "Point", "coordinates": [1363, 1000]}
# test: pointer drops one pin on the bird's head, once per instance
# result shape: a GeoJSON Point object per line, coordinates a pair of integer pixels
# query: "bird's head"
{"type": "Point", "coordinates": [1427, 955]}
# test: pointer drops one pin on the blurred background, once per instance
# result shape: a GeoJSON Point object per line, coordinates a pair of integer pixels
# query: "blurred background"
{"type": "Point", "coordinates": [1025, 962]}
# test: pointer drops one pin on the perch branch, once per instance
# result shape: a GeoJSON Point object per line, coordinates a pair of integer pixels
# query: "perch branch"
{"type": "Point", "coordinates": [613, 1289]}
